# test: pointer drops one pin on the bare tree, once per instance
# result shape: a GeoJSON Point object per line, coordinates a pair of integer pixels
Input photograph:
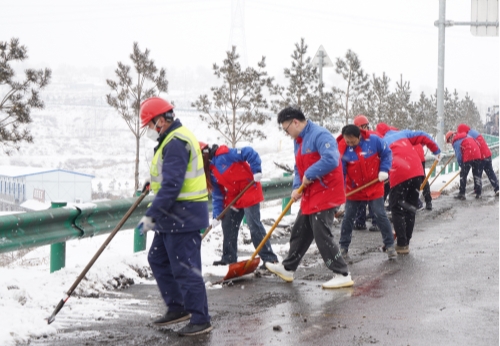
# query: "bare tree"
{"type": "Point", "coordinates": [129, 91]}
{"type": "Point", "coordinates": [18, 98]}
{"type": "Point", "coordinates": [237, 104]}
{"type": "Point", "coordinates": [353, 97]}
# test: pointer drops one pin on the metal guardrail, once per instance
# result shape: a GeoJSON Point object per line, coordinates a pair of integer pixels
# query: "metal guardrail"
{"type": "Point", "coordinates": [33, 229]}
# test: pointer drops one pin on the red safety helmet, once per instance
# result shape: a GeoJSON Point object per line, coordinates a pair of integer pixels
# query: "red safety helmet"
{"type": "Point", "coordinates": [360, 120]}
{"type": "Point", "coordinates": [204, 147]}
{"type": "Point", "coordinates": [153, 107]}
{"type": "Point", "coordinates": [449, 135]}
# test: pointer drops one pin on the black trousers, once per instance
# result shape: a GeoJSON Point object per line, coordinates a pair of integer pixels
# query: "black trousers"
{"type": "Point", "coordinates": [427, 188]}
{"type": "Point", "coordinates": [477, 172]}
{"type": "Point", "coordinates": [403, 201]}
{"type": "Point", "coordinates": [487, 166]}
{"type": "Point", "coordinates": [318, 227]}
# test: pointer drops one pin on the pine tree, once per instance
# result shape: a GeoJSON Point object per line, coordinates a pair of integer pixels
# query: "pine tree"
{"type": "Point", "coordinates": [470, 114]}
{"type": "Point", "coordinates": [452, 115]}
{"type": "Point", "coordinates": [302, 77]}
{"type": "Point", "coordinates": [401, 108]}
{"type": "Point", "coordinates": [236, 106]}
{"type": "Point", "coordinates": [18, 98]}
{"type": "Point", "coordinates": [352, 98]}
{"type": "Point", "coordinates": [129, 91]}
{"type": "Point", "coordinates": [378, 99]}
{"type": "Point", "coordinates": [425, 115]}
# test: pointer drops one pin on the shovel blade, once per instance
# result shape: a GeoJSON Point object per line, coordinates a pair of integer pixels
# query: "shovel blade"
{"type": "Point", "coordinates": [238, 269]}
{"type": "Point", "coordinates": [435, 194]}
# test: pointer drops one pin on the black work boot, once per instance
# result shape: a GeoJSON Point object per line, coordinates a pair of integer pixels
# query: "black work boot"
{"type": "Point", "coordinates": [195, 329]}
{"type": "Point", "coordinates": [428, 205]}
{"type": "Point", "coordinates": [172, 317]}
{"type": "Point", "coordinates": [460, 197]}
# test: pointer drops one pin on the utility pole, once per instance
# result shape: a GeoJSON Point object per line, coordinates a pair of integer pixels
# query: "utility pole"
{"type": "Point", "coordinates": [484, 22]}
{"type": "Point", "coordinates": [321, 59]}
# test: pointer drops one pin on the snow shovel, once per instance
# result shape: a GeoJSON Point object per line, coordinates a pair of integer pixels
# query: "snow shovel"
{"type": "Point", "coordinates": [442, 169]}
{"type": "Point", "coordinates": [436, 194]}
{"type": "Point", "coordinates": [246, 267]}
{"type": "Point", "coordinates": [209, 228]}
{"type": "Point", "coordinates": [59, 306]}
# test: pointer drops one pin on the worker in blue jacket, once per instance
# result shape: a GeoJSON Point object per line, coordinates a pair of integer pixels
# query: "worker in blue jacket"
{"type": "Point", "coordinates": [177, 214]}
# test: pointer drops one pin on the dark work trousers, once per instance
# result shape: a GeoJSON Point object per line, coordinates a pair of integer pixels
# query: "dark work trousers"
{"type": "Point", "coordinates": [230, 228]}
{"type": "Point", "coordinates": [318, 227]}
{"type": "Point", "coordinates": [403, 200]}
{"type": "Point", "coordinates": [377, 206]}
{"type": "Point", "coordinates": [427, 188]}
{"type": "Point", "coordinates": [175, 260]}
{"type": "Point", "coordinates": [387, 190]}
{"type": "Point", "coordinates": [476, 166]}
{"type": "Point", "coordinates": [488, 169]}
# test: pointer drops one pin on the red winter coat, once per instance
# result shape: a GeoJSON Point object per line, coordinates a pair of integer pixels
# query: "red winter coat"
{"type": "Point", "coordinates": [466, 148]}
{"type": "Point", "coordinates": [483, 146]}
{"type": "Point", "coordinates": [406, 163]}
{"type": "Point", "coordinates": [420, 151]}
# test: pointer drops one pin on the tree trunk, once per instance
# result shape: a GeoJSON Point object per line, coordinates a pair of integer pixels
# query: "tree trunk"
{"type": "Point", "coordinates": [136, 174]}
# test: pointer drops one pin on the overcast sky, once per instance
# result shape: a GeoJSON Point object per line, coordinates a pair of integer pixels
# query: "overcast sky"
{"type": "Point", "coordinates": [392, 36]}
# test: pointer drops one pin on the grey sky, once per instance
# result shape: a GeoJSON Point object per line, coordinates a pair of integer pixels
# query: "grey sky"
{"type": "Point", "coordinates": [392, 36]}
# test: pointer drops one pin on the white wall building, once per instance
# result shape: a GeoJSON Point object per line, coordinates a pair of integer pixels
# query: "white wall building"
{"type": "Point", "coordinates": [20, 184]}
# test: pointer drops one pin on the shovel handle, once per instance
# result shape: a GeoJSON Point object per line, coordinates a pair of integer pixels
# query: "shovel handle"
{"type": "Point", "coordinates": [362, 187]}
{"type": "Point", "coordinates": [268, 235]}
{"type": "Point", "coordinates": [429, 174]}
{"type": "Point", "coordinates": [442, 169]}
{"type": "Point", "coordinates": [209, 228]}
{"type": "Point", "coordinates": [59, 306]}
{"type": "Point", "coordinates": [448, 183]}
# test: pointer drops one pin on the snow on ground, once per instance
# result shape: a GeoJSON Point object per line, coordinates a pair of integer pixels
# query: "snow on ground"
{"type": "Point", "coordinates": [29, 294]}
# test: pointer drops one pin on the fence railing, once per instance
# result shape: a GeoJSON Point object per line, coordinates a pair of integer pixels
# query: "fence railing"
{"type": "Point", "coordinates": [39, 228]}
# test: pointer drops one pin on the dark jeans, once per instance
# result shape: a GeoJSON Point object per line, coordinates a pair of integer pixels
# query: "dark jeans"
{"type": "Point", "coordinates": [427, 188]}
{"type": "Point", "coordinates": [175, 260]}
{"type": "Point", "coordinates": [476, 166]}
{"type": "Point", "coordinates": [403, 200]}
{"type": "Point", "coordinates": [377, 207]}
{"type": "Point", "coordinates": [317, 227]}
{"type": "Point", "coordinates": [230, 228]}
{"type": "Point", "coordinates": [360, 219]}
{"type": "Point", "coordinates": [488, 169]}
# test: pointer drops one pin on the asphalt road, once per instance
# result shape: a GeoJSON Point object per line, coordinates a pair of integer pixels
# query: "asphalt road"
{"type": "Point", "coordinates": [445, 292]}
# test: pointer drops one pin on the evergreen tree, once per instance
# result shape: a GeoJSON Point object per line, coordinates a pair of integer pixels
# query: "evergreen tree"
{"type": "Point", "coordinates": [452, 116]}
{"type": "Point", "coordinates": [470, 114]}
{"type": "Point", "coordinates": [237, 104]}
{"type": "Point", "coordinates": [378, 99]}
{"type": "Point", "coordinates": [18, 97]}
{"type": "Point", "coordinates": [129, 91]}
{"type": "Point", "coordinates": [303, 90]}
{"type": "Point", "coordinates": [350, 100]}
{"type": "Point", "coordinates": [400, 105]}
{"type": "Point", "coordinates": [425, 115]}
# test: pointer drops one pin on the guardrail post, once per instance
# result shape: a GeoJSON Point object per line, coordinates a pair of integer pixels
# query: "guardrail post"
{"type": "Point", "coordinates": [139, 240]}
{"type": "Point", "coordinates": [284, 201]}
{"type": "Point", "coordinates": [58, 250]}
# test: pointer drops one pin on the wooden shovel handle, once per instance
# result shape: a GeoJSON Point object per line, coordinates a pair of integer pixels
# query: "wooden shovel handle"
{"type": "Point", "coordinates": [448, 183]}
{"type": "Point", "coordinates": [209, 228]}
{"type": "Point", "coordinates": [362, 187]}
{"type": "Point", "coordinates": [268, 235]}
{"type": "Point", "coordinates": [442, 169]}
{"type": "Point", "coordinates": [429, 174]}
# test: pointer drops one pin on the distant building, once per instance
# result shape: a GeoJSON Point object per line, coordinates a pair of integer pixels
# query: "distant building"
{"type": "Point", "coordinates": [29, 185]}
